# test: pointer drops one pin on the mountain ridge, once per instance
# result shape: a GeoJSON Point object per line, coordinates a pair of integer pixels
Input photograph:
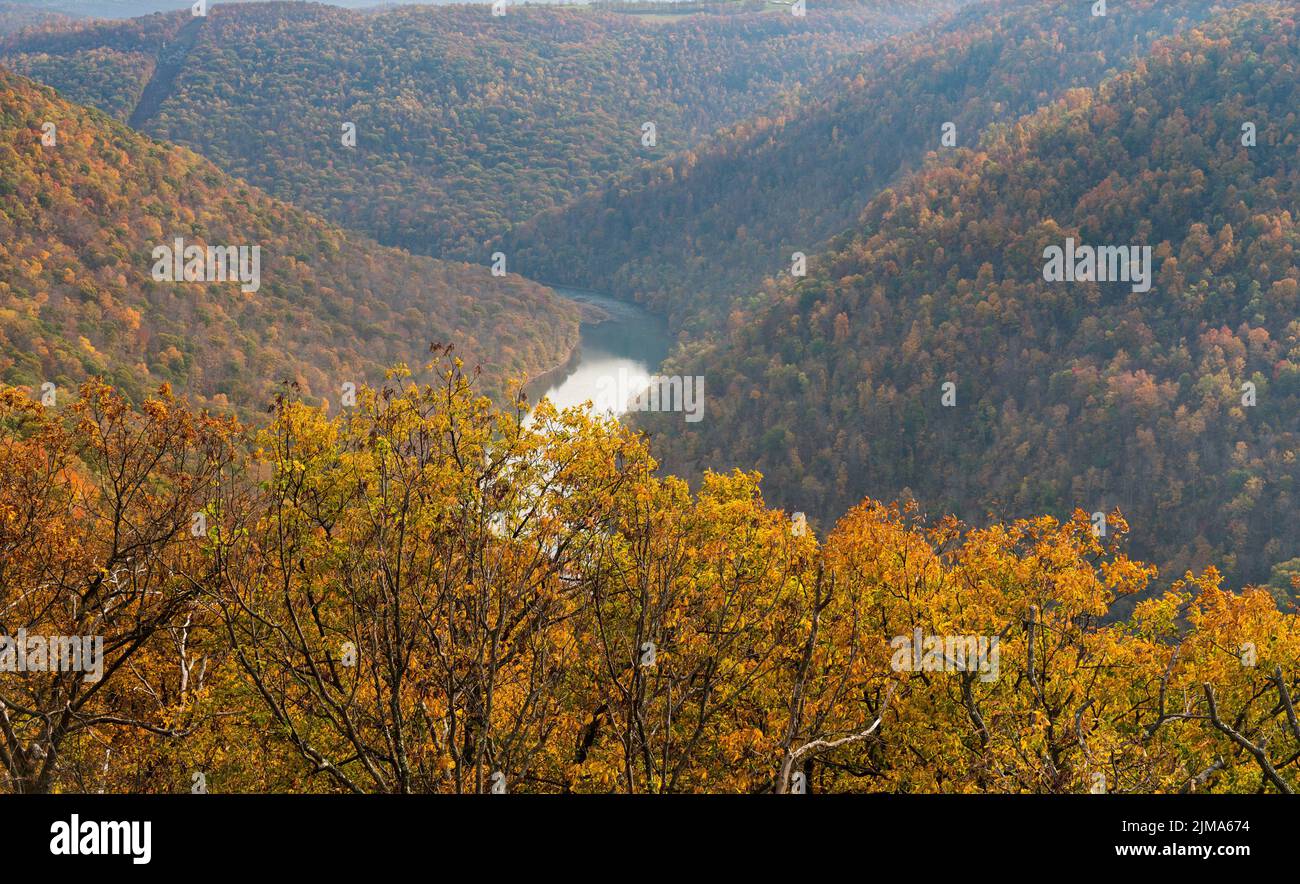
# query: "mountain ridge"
{"type": "Point", "coordinates": [80, 220]}
{"type": "Point", "coordinates": [833, 387]}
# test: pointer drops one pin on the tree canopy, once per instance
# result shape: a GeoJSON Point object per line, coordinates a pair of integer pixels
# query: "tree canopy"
{"type": "Point", "coordinates": [427, 594]}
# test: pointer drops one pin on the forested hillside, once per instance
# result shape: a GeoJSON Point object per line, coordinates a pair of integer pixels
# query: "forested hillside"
{"type": "Point", "coordinates": [1088, 395]}
{"type": "Point", "coordinates": [999, 497]}
{"type": "Point", "coordinates": [80, 218]}
{"type": "Point", "coordinates": [697, 233]}
{"type": "Point", "coordinates": [466, 123]}
{"type": "Point", "coordinates": [16, 16]}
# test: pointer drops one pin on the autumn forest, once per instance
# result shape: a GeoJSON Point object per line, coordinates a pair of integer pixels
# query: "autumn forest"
{"type": "Point", "coordinates": [870, 494]}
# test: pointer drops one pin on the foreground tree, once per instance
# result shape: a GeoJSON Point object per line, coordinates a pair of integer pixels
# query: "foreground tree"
{"type": "Point", "coordinates": [98, 510]}
{"type": "Point", "coordinates": [425, 593]}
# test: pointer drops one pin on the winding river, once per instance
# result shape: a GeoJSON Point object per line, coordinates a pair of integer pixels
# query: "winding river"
{"type": "Point", "coordinates": [617, 339]}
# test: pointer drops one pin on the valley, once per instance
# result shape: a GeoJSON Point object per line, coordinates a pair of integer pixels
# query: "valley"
{"type": "Point", "coordinates": [944, 369]}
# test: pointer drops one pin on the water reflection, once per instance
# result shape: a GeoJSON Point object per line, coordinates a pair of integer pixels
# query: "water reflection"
{"type": "Point", "coordinates": [618, 339]}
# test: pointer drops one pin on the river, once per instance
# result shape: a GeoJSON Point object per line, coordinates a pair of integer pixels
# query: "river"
{"type": "Point", "coordinates": [616, 340]}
